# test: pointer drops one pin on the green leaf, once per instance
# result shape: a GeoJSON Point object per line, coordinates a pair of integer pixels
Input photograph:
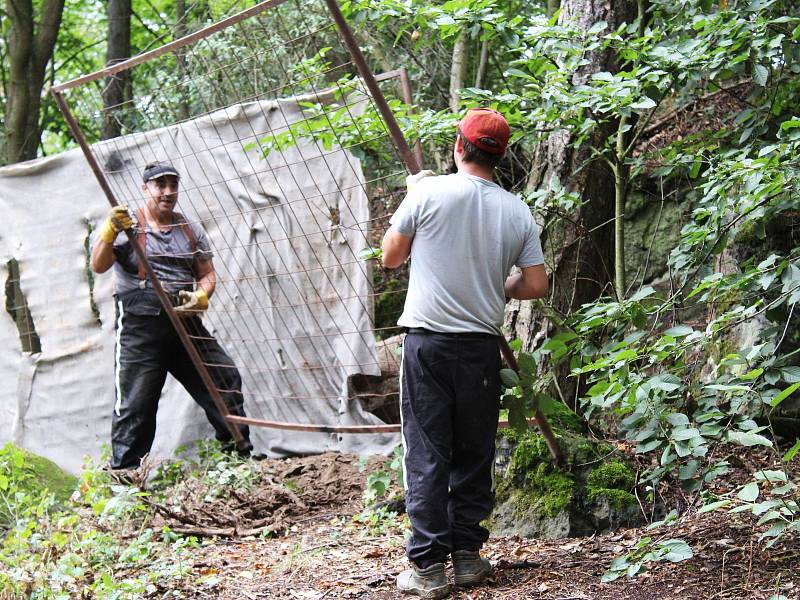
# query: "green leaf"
{"type": "Point", "coordinates": [689, 470]}
{"type": "Point", "coordinates": [748, 439]}
{"type": "Point", "coordinates": [644, 104]}
{"type": "Point", "coordinates": [648, 446]}
{"type": "Point", "coordinates": [509, 378]}
{"type": "Point", "coordinates": [597, 28]}
{"type": "Point", "coordinates": [643, 293]}
{"type": "Point", "coordinates": [771, 475]}
{"type": "Point", "coordinates": [714, 506]}
{"type": "Point", "coordinates": [748, 493]}
{"type": "Point", "coordinates": [785, 394]}
{"type": "Point", "coordinates": [679, 331]}
{"type": "Point", "coordinates": [792, 452]}
{"type": "Point", "coordinates": [677, 550]}
{"type": "Point", "coordinates": [791, 374]}
{"type": "Point", "coordinates": [760, 75]}
{"type": "Point", "coordinates": [370, 253]}
{"type": "Point", "coordinates": [754, 374]}
{"type": "Point", "coordinates": [678, 419]}
{"type": "Point", "coordinates": [790, 124]}
{"type": "Point", "coordinates": [527, 363]}
{"type": "Point", "coordinates": [686, 433]}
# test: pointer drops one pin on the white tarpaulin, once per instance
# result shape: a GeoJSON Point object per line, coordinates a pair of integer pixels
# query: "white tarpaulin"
{"type": "Point", "coordinates": [292, 305]}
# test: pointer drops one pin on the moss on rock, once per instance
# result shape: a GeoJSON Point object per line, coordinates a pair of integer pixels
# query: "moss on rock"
{"type": "Point", "coordinates": [612, 481]}
{"type": "Point", "coordinates": [33, 474]}
{"type": "Point", "coordinates": [535, 498]}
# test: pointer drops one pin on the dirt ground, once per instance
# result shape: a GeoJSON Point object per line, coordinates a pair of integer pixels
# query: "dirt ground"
{"type": "Point", "coordinates": [323, 550]}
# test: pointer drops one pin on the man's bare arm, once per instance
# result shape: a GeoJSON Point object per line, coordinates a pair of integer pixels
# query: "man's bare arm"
{"type": "Point", "coordinates": [102, 257]}
{"type": "Point", "coordinates": [206, 275]}
{"type": "Point", "coordinates": [530, 283]}
{"type": "Point", "coordinates": [396, 248]}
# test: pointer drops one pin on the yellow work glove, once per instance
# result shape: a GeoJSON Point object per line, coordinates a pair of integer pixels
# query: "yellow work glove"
{"type": "Point", "coordinates": [414, 179]}
{"type": "Point", "coordinates": [118, 220]}
{"type": "Point", "coordinates": [191, 303]}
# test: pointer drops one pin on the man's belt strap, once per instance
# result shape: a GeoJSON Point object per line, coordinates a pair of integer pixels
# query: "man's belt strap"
{"type": "Point", "coordinates": [141, 236]}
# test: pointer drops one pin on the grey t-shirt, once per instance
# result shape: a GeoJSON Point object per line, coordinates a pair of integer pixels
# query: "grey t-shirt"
{"type": "Point", "coordinates": [468, 232]}
{"type": "Point", "coordinates": [169, 253]}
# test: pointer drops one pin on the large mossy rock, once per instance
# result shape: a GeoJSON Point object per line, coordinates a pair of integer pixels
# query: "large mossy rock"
{"type": "Point", "coordinates": [25, 476]}
{"type": "Point", "coordinates": [593, 493]}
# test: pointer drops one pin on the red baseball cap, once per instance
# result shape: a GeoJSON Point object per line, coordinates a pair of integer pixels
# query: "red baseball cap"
{"type": "Point", "coordinates": [486, 129]}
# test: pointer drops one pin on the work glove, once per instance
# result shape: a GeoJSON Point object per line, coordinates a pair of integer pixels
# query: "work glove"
{"type": "Point", "coordinates": [119, 219]}
{"type": "Point", "coordinates": [414, 179]}
{"type": "Point", "coordinates": [191, 303]}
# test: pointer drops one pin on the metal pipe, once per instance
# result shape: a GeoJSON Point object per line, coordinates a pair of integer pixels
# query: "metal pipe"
{"type": "Point", "coordinates": [503, 424]}
{"type": "Point", "coordinates": [369, 79]}
{"type": "Point", "coordinates": [205, 376]}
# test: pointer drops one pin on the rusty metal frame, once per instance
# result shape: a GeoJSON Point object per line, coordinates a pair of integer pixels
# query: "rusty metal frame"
{"type": "Point", "coordinates": [412, 161]}
{"type": "Point", "coordinates": [167, 48]}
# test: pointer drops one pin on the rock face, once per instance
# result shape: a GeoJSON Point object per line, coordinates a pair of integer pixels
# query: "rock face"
{"type": "Point", "coordinates": [592, 494]}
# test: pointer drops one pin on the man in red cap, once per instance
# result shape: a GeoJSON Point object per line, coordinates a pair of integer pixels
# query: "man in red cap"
{"type": "Point", "coordinates": [463, 233]}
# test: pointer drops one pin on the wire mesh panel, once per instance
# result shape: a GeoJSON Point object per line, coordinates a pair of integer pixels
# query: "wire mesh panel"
{"type": "Point", "coordinates": [281, 149]}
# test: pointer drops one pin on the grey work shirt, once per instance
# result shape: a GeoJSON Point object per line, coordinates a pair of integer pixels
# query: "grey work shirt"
{"type": "Point", "coordinates": [170, 255]}
{"type": "Point", "coordinates": [468, 232]}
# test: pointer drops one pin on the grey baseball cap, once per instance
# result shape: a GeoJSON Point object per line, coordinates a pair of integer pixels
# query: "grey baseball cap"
{"type": "Point", "coordinates": [158, 169]}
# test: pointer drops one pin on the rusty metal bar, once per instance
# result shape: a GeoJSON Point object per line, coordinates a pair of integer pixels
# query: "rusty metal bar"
{"type": "Point", "coordinates": [170, 47]}
{"type": "Point", "coordinates": [372, 85]}
{"type": "Point", "coordinates": [162, 296]}
{"type": "Point", "coordinates": [544, 425]}
{"type": "Point", "coordinates": [327, 428]}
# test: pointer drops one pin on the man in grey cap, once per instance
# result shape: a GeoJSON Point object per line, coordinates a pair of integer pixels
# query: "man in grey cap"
{"type": "Point", "coordinates": [147, 345]}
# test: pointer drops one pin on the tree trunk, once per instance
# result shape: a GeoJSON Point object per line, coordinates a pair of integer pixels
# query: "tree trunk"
{"type": "Point", "coordinates": [482, 62]}
{"type": "Point", "coordinates": [579, 245]}
{"type": "Point", "coordinates": [30, 48]}
{"type": "Point", "coordinates": [458, 70]}
{"type": "Point", "coordinates": [117, 92]}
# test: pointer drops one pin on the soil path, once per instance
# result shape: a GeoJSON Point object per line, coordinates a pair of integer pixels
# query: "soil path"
{"type": "Point", "coordinates": [326, 551]}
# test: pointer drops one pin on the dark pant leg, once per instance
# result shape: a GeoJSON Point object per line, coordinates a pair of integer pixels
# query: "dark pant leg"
{"type": "Point", "coordinates": [426, 405]}
{"type": "Point", "coordinates": [474, 432]}
{"type": "Point", "coordinates": [139, 375]}
{"type": "Point", "coordinates": [223, 372]}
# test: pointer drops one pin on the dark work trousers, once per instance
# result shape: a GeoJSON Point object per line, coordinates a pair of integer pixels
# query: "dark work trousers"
{"type": "Point", "coordinates": [449, 402]}
{"type": "Point", "coordinates": [147, 348]}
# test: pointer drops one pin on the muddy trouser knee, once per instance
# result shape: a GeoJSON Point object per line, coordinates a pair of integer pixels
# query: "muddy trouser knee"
{"type": "Point", "coordinates": [139, 375]}
{"type": "Point", "coordinates": [223, 373]}
{"type": "Point", "coordinates": [449, 401]}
